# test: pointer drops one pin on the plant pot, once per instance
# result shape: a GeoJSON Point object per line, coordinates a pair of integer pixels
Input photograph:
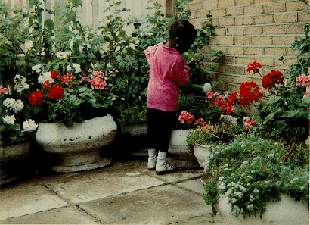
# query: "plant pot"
{"type": "Point", "coordinates": [13, 162]}
{"type": "Point", "coordinates": [79, 146]}
{"type": "Point", "coordinates": [285, 211]}
{"type": "Point", "coordinates": [202, 153]}
{"type": "Point", "coordinates": [178, 142]}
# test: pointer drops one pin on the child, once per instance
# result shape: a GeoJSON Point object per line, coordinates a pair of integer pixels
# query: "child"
{"type": "Point", "coordinates": [167, 73]}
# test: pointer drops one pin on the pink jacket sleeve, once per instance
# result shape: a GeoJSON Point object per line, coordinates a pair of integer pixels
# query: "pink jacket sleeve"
{"type": "Point", "coordinates": [181, 73]}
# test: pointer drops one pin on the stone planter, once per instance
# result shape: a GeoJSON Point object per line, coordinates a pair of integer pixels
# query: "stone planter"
{"type": "Point", "coordinates": [178, 141]}
{"type": "Point", "coordinates": [202, 153]}
{"type": "Point", "coordinates": [12, 162]}
{"type": "Point", "coordinates": [79, 146]}
{"type": "Point", "coordinates": [285, 211]}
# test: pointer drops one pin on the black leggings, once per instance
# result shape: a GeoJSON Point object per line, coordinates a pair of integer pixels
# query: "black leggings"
{"type": "Point", "coordinates": [159, 128]}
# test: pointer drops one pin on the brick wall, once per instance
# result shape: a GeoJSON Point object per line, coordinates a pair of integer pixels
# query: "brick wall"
{"type": "Point", "coordinates": [249, 30]}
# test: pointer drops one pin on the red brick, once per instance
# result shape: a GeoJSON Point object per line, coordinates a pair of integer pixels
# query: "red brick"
{"type": "Point", "coordinates": [285, 17]}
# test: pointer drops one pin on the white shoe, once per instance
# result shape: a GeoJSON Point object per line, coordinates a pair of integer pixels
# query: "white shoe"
{"type": "Point", "coordinates": [161, 165]}
{"type": "Point", "coordinates": [151, 161]}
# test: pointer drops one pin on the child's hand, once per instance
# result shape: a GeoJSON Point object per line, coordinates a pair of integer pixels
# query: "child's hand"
{"type": "Point", "coordinates": [190, 63]}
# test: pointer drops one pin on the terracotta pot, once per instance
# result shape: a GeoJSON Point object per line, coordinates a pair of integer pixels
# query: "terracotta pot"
{"type": "Point", "coordinates": [79, 146]}
{"type": "Point", "coordinates": [12, 162]}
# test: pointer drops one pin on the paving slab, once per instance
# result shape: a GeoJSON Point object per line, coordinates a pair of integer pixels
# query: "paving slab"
{"type": "Point", "coordinates": [193, 185]}
{"type": "Point", "coordinates": [157, 205]}
{"type": "Point", "coordinates": [27, 198]}
{"type": "Point", "coordinates": [65, 215]}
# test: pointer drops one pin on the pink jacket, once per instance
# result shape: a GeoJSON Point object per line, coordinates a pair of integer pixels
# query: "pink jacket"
{"type": "Point", "coordinates": [167, 74]}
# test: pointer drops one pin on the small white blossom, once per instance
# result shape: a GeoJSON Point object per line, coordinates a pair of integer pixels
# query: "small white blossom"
{"type": "Point", "coordinates": [20, 83]}
{"type": "Point", "coordinates": [29, 125]}
{"type": "Point", "coordinates": [77, 67]}
{"type": "Point", "coordinates": [63, 55]}
{"type": "Point", "coordinates": [9, 119]}
{"type": "Point", "coordinates": [47, 76]}
{"type": "Point", "coordinates": [18, 106]}
{"type": "Point", "coordinates": [9, 102]}
{"type": "Point", "coordinates": [37, 68]}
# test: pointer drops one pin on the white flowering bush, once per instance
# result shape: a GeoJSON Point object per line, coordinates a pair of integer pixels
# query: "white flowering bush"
{"type": "Point", "coordinates": [16, 124]}
{"type": "Point", "coordinates": [252, 171]}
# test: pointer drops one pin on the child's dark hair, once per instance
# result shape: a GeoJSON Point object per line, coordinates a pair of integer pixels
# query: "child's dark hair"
{"type": "Point", "coordinates": [182, 29]}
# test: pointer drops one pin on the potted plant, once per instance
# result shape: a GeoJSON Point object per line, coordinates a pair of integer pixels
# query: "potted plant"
{"type": "Point", "coordinates": [247, 174]}
{"type": "Point", "coordinates": [73, 121]}
{"type": "Point", "coordinates": [208, 136]}
{"type": "Point", "coordinates": [17, 130]}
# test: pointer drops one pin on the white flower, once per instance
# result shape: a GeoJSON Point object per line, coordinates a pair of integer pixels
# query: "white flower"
{"type": "Point", "coordinates": [8, 102]}
{"type": "Point", "coordinates": [20, 83]}
{"type": "Point", "coordinates": [77, 67]}
{"type": "Point", "coordinates": [18, 106]}
{"type": "Point", "coordinates": [29, 125]}
{"type": "Point", "coordinates": [28, 45]}
{"type": "Point", "coordinates": [255, 191]}
{"type": "Point", "coordinates": [47, 76]}
{"type": "Point", "coordinates": [63, 55]}
{"type": "Point", "coordinates": [9, 119]}
{"type": "Point", "coordinates": [37, 68]}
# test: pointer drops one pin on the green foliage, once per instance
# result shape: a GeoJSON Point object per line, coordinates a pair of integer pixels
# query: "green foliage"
{"type": "Point", "coordinates": [223, 132]}
{"type": "Point", "coordinates": [253, 171]}
{"type": "Point", "coordinates": [285, 114]}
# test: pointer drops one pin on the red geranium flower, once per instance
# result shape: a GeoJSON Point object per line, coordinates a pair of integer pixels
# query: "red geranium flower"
{"type": "Point", "coordinates": [56, 92]}
{"type": "Point", "coordinates": [35, 97]}
{"type": "Point", "coordinates": [54, 74]}
{"type": "Point", "coordinates": [47, 84]}
{"type": "Point", "coordinates": [254, 66]}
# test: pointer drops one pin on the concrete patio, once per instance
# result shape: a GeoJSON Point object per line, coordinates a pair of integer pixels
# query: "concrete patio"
{"type": "Point", "coordinates": [124, 192]}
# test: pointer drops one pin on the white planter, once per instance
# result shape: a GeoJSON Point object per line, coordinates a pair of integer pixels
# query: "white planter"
{"type": "Point", "coordinates": [285, 212]}
{"type": "Point", "coordinates": [11, 158]}
{"type": "Point", "coordinates": [202, 153]}
{"type": "Point", "coordinates": [178, 142]}
{"type": "Point", "coordinates": [79, 146]}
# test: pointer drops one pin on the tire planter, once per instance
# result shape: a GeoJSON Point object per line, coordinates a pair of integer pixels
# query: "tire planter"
{"type": "Point", "coordinates": [285, 211]}
{"type": "Point", "coordinates": [13, 162]}
{"type": "Point", "coordinates": [79, 146]}
{"type": "Point", "coordinates": [202, 153]}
